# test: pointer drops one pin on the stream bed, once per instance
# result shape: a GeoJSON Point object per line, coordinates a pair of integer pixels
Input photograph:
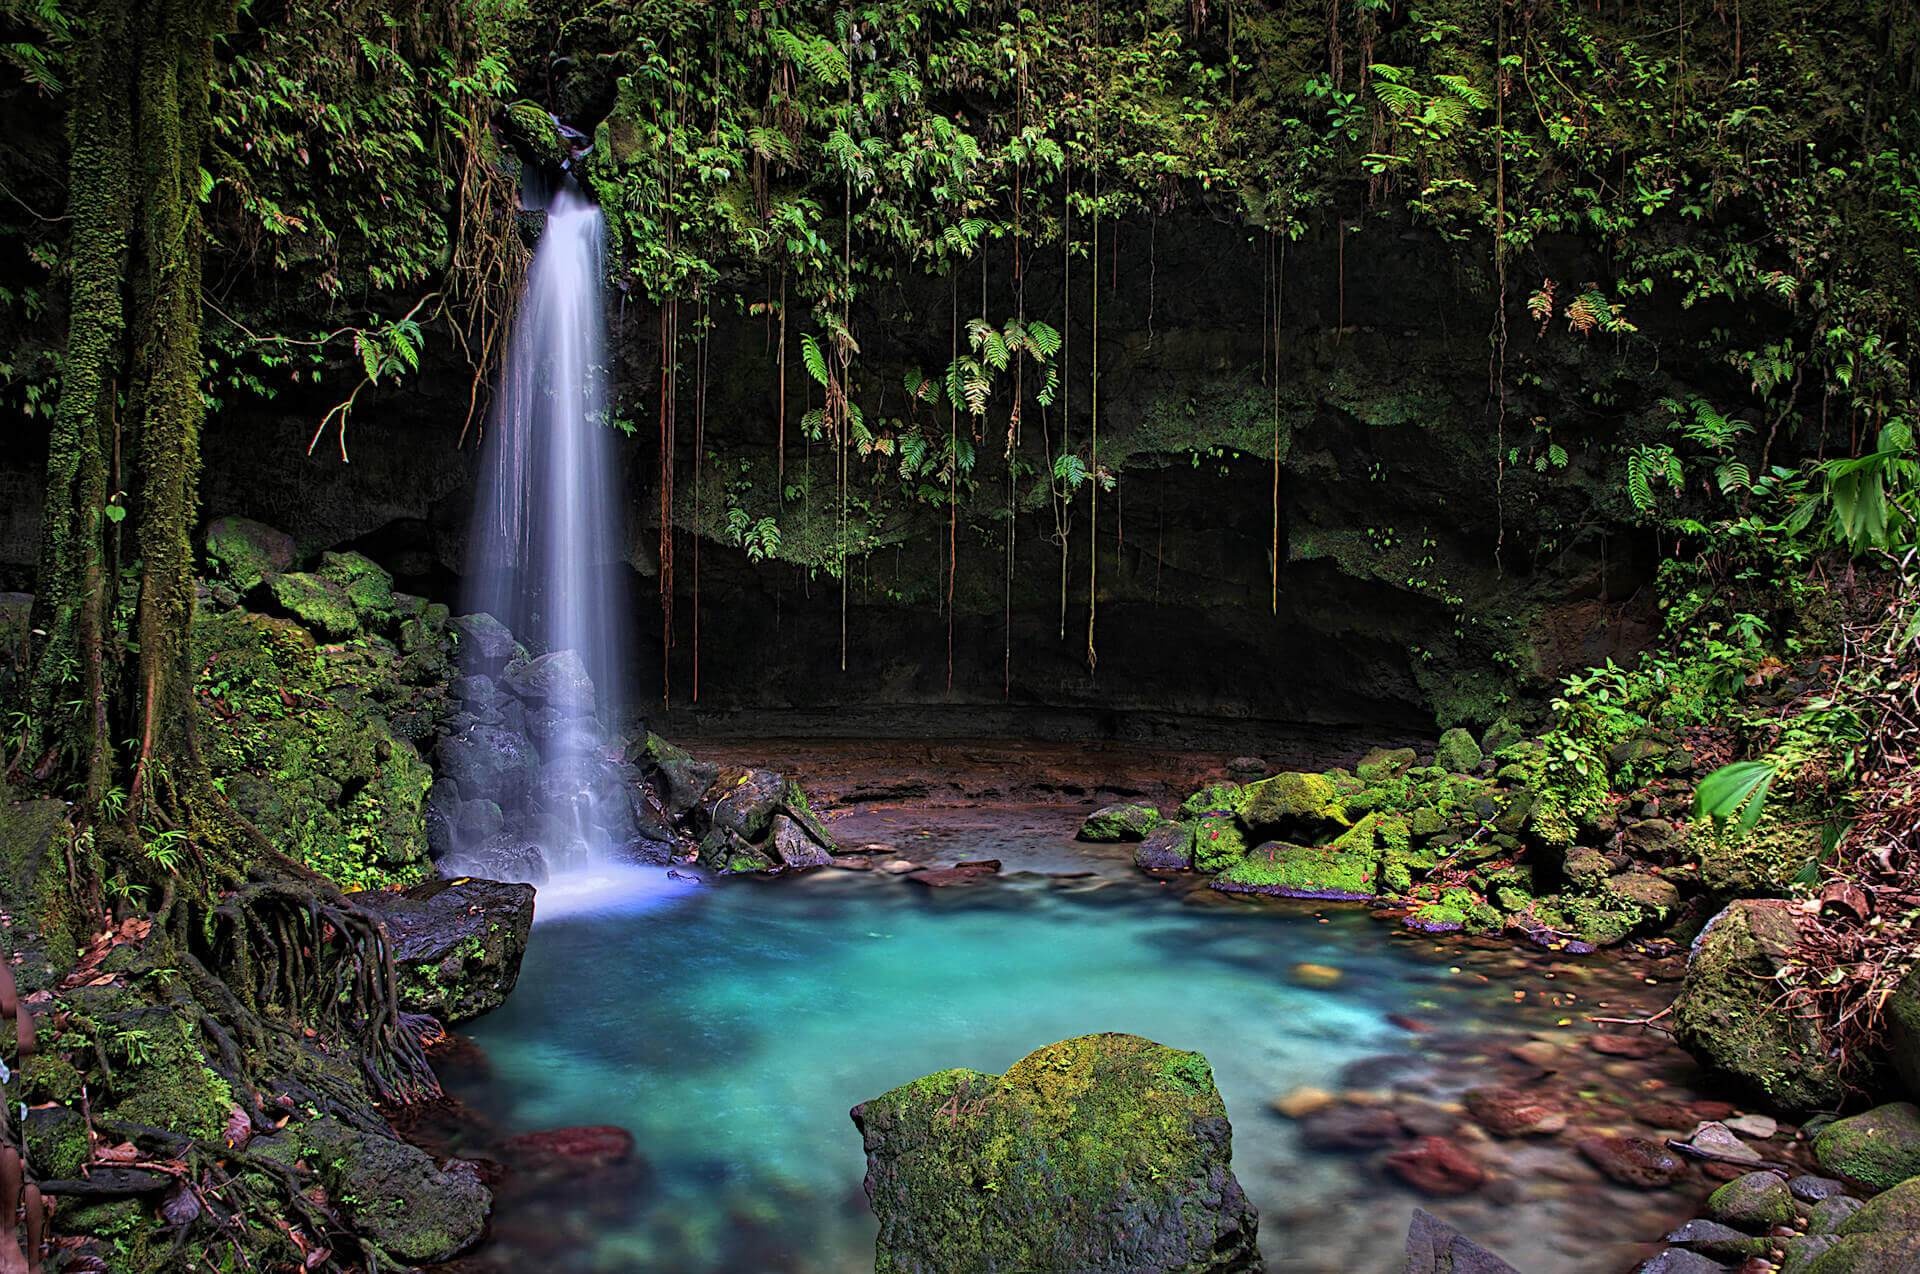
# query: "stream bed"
{"type": "Point", "coordinates": [729, 1026]}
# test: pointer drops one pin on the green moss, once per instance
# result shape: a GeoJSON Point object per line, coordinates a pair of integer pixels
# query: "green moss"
{"type": "Point", "coordinates": [1293, 799]}
{"type": "Point", "coordinates": [1347, 868]}
{"type": "Point", "coordinates": [1456, 908]}
{"type": "Point", "coordinates": [1879, 1149]}
{"type": "Point", "coordinates": [1212, 799]}
{"type": "Point", "coordinates": [368, 589]}
{"type": "Point", "coordinates": [1120, 822]}
{"type": "Point", "coordinates": [1458, 752]}
{"type": "Point", "coordinates": [162, 1078]}
{"type": "Point", "coordinates": [320, 604]}
{"type": "Point", "coordinates": [1218, 843]}
{"type": "Point", "coordinates": [1764, 861]}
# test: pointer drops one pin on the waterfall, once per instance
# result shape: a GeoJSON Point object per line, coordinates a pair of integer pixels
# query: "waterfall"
{"type": "Point", "coordinates": [536, 775]}
{"type": "Point", "coordinates": [546, 550]}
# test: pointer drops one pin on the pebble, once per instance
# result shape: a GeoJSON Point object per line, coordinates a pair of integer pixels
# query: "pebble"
{"type": "Point", "coordinates": [1639, 1047]}
{"type": "Point", "coordinates": [898, 867]}
{"type": "Point", "coordinates": [1812, 1189]}
{"type": "Point", "coordinates": [1316, 975]}
{"type": "Point", "coordinates": [1513, 1112]}
{"type": "Point", "coordinates": [1303, 1101]}
{"type": "Point", "coordinates": [1536, 1053]}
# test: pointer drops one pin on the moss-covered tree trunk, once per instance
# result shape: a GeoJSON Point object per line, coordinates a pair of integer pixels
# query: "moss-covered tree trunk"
{"type": "Point", "coordinates": [113, 686]}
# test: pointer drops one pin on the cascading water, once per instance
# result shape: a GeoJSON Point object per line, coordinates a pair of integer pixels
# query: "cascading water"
{"type": "Point", "coordinates": [536, 780]}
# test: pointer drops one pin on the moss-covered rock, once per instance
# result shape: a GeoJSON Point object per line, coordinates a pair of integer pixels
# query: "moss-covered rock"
{"type": "Point", "coordinates": [1215, 798]}
{"type": "Point", "coordinates": [1382, 764]}
{"type": "Point", "coordinates": [1458, 752]}
{"type": "Point", "coordinates": [316, 602]}
{"type": "Point", "coordinates": [1727, 1013]}
{"type": "Point", "coordinates": [417, 1212]}
{"type": "Point", "coordinates": [1294, 801]}
{"type": "Point", "coordinates": [1347, 868]}
{"type": "Point", "coordinates": [1120, 823]}
{"type": "Point", "coordinates": [1456, 908]}
{"type": "Point", "coordinates": [368, 588]}
{"type": "Point", "coordinates": [1881, 1238]}
{"type": "Point", "coordinates": [457, 944]}
{"type": "Point", "coordinates": [1218, 843]}
{"type": "Point", "coordinates": [1902, 1020]}
{"type": "Point", "coordinates": [1879, 1148]}
{"type": "Point", "coordinates": [243, 552]}
{"type": "Point", "coordinates": [1168, 847]}
{"type": "Point", "coordinates": [47, 926]}
{"type": "Point", "coordinates": [1104, 1153]}
{"type": "Point", "coordinates": [1761, 862]}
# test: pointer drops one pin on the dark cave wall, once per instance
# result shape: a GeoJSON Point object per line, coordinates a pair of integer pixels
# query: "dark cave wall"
{"type": "Point", "coordinates": [1392, 607]}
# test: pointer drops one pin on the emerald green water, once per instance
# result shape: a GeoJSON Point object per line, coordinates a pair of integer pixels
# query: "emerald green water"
{"type": "Point", "coordinates": [730, 1026]}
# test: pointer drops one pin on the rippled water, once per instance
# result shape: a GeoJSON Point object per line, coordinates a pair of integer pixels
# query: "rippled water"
{"type": "Point", "coordinates": [731, 1026]}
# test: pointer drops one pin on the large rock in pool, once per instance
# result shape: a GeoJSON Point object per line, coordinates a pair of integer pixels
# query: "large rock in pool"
{"type": "Point", "coordinates": [1103, 1153]}
{"type": "Point", "coordinates": [1349, 868]}
{"type": "Point", "coordinates": [1727, 1016]}
{"type": "Point", "coordinates": [456, 943]}
{"type": "Point", "coordinates": [1294, 802]}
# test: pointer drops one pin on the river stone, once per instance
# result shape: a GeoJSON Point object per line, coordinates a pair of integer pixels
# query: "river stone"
{"type": "Point", "coordinates": [1168, 847]}
{"type": "Point", "coordinates": [1811, 1189]}
{"type": "Point", "coordinates": [1828, 1215]}
{"type": "Point", "coordinates": [485, 644]}
{"type": "Point", "coordinates": [1883, 1237]}
{"type": "Point", "coordinates": [456, 943]}
{"type": "Point", "coordinates": [1880, 1148]}
{"type": "Point", "coordinates": [1513, 1112]}
{"type": "Point", "coordinates": [1756, 1201]}
{"type": "Point", "coordinates": [416, 1212]}
{"type": "Point", "coordinates": [1119, 823]}
{"type": "Point", "coordinates": [1725, 1014]}
{"type": "Point", "coordinates": [245, 552]}
{"type": "Point", "coordinates": [1102, 1153]}
{"type": "Point", "coordinates": [1721, 1242]}
{"type": "Point", "coordinates": [1351, 1128]}
{"type": "Point", "coordinates": [1677, 1260]}
{"type": "Point", "coordinates": [558, 680]}
{"type": "Point", "coordinates": [1434, 1247]}
{"type": "Point", "coordinates": [1437, 1166]}
{"type": "Point", "coordinates": [1717, 1140]}
{"type": "Point", "coordinates": [1633, 1161]}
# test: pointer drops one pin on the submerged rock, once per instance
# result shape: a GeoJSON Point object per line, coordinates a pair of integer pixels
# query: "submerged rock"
{"type": "Point", "coordinates": [457, 944]}
{"type": "Point", "coordinates": [1120, 823]}
{"type": "Point", "coordinates": [1633, 1161]}
{"type": "Point", "coordinates": [1434, 1247]}
{"type": "Point", "coordinates": [1727, 1017]}
{"type": "Point", "coordinates": [1103, 1153]}
{"type": "Point", "coordinates": [966, 873]}
{"type": "Point", "coordinates": [1437, 1166]}
{"type": "Point", "coordinates": [1513, 1112]}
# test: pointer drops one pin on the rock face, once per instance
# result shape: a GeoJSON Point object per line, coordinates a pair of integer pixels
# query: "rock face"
{"type": "Point", "coordinates": [1880, 1148]}
{"type": "Point", "coordinates": [1903, 1033]}
{"type": "Point", "coordinates": [457, 944]}
{"type": "Point", "coordinates": [1103, 1153]}
{"type": "Point", "coordinates": [1725, 1014]}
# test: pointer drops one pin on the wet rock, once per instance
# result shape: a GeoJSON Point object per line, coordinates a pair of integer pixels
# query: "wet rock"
{"type": "Point", "coordinates": [1811, 1189]}
{"type": "Point", "coordinates": [1760, 1127]}
{"type": "Point", "coordinates": [1537, 1053]}
{"type": "Point", "coordinates": [557, 680]}
{"type": "Point", "coordinates": [1347, 869]}
{"type": "Point", "coordinates": [1434, 1247]}
{"type": "Point", "coordinates": [746, 805]}
{"type": "Point", "coordinates": [1677, 1260]}
{"type": "Point", "coordinates": [683, 781]}
{"type": "Point", "coordinates": [1721, 1242]}
{"type": "Point", "coordinates": [1512, 1112]}
{"type": "Point", "coordinates": [510, 856]}
{"type": "Point", "coordinates": [1638, 1047]}
{"type": "Point", "coordinates": [1112, 823]}
{"type": "Point", "coordinates": [1351, 1128]}
{"type": "Point", "coordinates": [244, 552]}
{"type": "Point", "coordinates": [899, 866]}
{"type": "Point", "coordinates": [456, 944]}
{"type": "Point", "coordinates": [487, 762]}
{"type": "Point", "coordinates": [1303, 1101]}
{"type": "Point", "coordinates": [583, 1149]}
{"type": "Point", "coordinates": [1293, 800]}
{"type": "Point", "coordinates": [1307, 973]}
{"type": "Point", "coordinates": [794, 848]}
{"type": "Point", "coordinates": [1168, 847]}
{"type": "Point", "coordinates": [967, 873]}
{"type": "Point", "coordinates": [1633, 1161]}
{"type": "Point", "coordinates": [968, 1171]}
{"type": "Point", "coordinates": [1880, 1148]}
{"type": "Point", "coordinates": [1437, 1166]}
{"type": "Point", "coordinates": [485, 644]}
{"type": "Point", "coordinates": [1882, 1237]}
{"type": "Point", "coordinates": [1715, 1141]}
{"type": "Point", "coordinates": [1725, 1013]}
{"type": "Point", "coordinates": [1754, 1201]}
{"type": "Point", "coordinates": [1828, 1215]}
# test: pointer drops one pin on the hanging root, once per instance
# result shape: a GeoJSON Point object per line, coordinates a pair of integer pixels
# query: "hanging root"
{"type": "Point", "coordinates": [299, 948]}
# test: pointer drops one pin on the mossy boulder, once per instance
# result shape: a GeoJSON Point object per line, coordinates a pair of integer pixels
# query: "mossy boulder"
{"type": "Point", "coordinates": [368, 587]}
{"type": "Point", "coordinates": [1458, 752]}
{"type": "Point", "coordinates": [1120, 823]}
{"type": "Point", "coordinates": [457, 944]}
{"type": "Point", "coordinates": [47, 926]}
{"type": "Point", "coordinates": [1881, 1238]}
{"type": "Point", "coordinates": [1727, 1013]}
{"type": "Point", "coordinates": [316, 602]}
{"type": "Point", "coordinates": [244, 552]}
{"type": "Point", "coordinates": [1760, 862]}
{"type": "Point", "coordinates": [681, 779]}
{"type": "Point", "coordinates": [1382, 764]}
{"type": "Point", "coordinates": [417, 1212]}
{"type": "Point", "coordinates": [1215, 798]}
{"type": "Point", "coordinates": [1902, 1021]}
{"type": "Point", "coordinates": [1293, 801]}
{"type": "Point", "coordinates": [1347, 868]}
{"type": "Point", "coordinates": [1103, 1153]}
{"type": "Point", "coordinates": [1218, 843]}
{"type": "Point", "coordinates": [1456, 908]}
{"type": "Point", "coordinates": [1879, 1148]}
{"type": "Point", "coordinates": [1168, 847]}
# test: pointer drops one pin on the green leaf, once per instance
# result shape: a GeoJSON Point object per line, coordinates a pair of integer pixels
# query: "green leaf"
{"type": "Point", "coordinates": [1737, 791]}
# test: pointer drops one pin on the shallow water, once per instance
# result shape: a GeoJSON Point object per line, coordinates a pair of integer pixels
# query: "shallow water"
{"type": "Point", "coordinates": [730, 1027]}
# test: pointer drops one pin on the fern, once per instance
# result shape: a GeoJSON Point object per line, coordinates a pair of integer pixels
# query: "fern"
{"type": "Point", "coordinates": [815, 360]}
